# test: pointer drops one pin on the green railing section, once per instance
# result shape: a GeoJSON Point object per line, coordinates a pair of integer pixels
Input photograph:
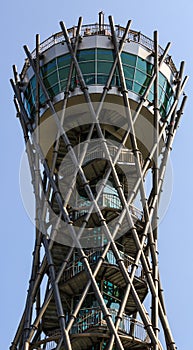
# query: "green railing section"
{"type": "Point", "coordinates": [95, 65]}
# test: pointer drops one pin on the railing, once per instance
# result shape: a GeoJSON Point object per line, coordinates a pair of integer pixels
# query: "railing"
{"type": "Point", "coordinates": [94, 29]}
{"type": "Point", "coordinates": [96, 152]}
{"type": "Point", "coordinates": [91, 318]}
{"type": "Point", "coordinates": [106, 200]}
{"type": "Point", "coordinates": [93, 256]}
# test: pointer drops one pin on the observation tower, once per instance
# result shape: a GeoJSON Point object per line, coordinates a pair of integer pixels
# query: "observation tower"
{"type": "Point", "coordinates": [99, 106]}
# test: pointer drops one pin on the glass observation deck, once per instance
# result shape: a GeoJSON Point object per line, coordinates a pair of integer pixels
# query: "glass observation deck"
{"type": "Point", "coordinates": [95, 64]}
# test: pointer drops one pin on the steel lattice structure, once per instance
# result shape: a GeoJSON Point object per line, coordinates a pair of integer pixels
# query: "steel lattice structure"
{"type": "Point", "coordinates": [99, 107]}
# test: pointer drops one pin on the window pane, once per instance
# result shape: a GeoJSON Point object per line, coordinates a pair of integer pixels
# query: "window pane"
{"type": "Point", "coordinates": [63, 73]}
{"type": "Point", "coordinates": [33, 82]}
{"type": "Point", "coordinates": [162, 80]}
{"type": "Point", "coordinates": [129, 84]}
{"type": "Point", "coordinates": [169, 90]}
{"type": "Point", "coordinates": [162, 112]}
{"type": "Point", "coordinates": [105, 55]}
{"type": "Point", "coordinates": [102, 79]}
{"type": "Point", "coordinates": [64, 60]}
{"type": "Point", "coordinates": [42, 97]}
{"type": "Point", "coordinates": [51, 80]}
{"type": "Point", "coordinates": [104, 67]}
{"type": "Point", "coordinates": [54, 90]}
{"type": "Point", "coordinates": [128, 59]}
{"type": "Point", "coordinates": [161, 95]}
{"type": "Point", "coordinates": [140, 77]}
{"type": "Point", "coordinates": [48, 68]}
{"type": "Point", "coordinates": [139, 89]}
{"type": "Point", "coordinates": [63, 84]}
{"type": "Point", "coordinates": [89, 79]}
{"type": "Point", "coordinates": [164, 102]}
{"type": "Point", "coordinates": [86, 55]}
{"type": "Point", "coordinates": [87, 67]}
{"type": "Point", "coordinates": [151, 96]}
{"type": "Point", "coordinates": [27, 92]}
{"type": "Point", "coordinates": [170, 103]}
{"type": "Point", "coordinates": [129, 72]}
{"type": "Point", "coordinates": [144, 65]}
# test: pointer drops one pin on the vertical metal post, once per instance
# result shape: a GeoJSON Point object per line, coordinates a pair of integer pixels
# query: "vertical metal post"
{"type": "Point", "coordinates": [101, 21]}
{"type": "Point", "coordinates": [155, 190]}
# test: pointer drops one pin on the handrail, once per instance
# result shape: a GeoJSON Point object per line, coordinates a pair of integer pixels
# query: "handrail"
{"type": "Point", "coordinates": [106, 200]}
{"type": "Point", "coordinates": [94, 318]}
{"type": "Point", "coordinates": [93, 29]}
{"type": "Point", "coordinates": [95, 152]}
{"type": "Point", "coordinates": [109, 200]}
{"type": "Point", "coordinates": [76, 267]}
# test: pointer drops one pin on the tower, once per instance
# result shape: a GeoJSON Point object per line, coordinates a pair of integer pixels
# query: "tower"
{"type": "Point", "coordinates": [99, 107]}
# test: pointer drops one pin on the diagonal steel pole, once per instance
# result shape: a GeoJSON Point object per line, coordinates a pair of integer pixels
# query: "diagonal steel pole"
{"type": "Point", "coordinates": [36, 179]}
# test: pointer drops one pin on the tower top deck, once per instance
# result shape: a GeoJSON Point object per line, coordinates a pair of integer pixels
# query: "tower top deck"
{"type": "Point", "coordinates": [101, 29]}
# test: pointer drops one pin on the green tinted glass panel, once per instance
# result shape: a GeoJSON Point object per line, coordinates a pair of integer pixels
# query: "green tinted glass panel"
{"type": "Point", "coordinates": [161, 94]}
{"type": "Point", "coordinates": [51, 80]}
{"type": "Point", "coordinates": [33, 82]}
{"type": "Point", "coordinates": [63, 84]}
{"type": "Point", "coordinates": [144, 66]}
{"type": "Point", "coordinates": [27, 92]}
{"type": "Point", "coordinates": [128, 59]}
{"type": "Point", "coordinates": [171, 101]}
{"type": "Point", "coordinates": [48, 68]}
{"type": "Point", "coordinates": [129, 84]}
{"type": "Point", "coordinates": [162, 80]}
{"type": "Point", "coordinates": [104, 67]}
{"type": "Point", "coordinates": [137, 79]}
{"type": "Point", "coordinates": [64, 60]}
{"type": "Point", "coordinates": [105, 55]}
{"type": "Point", "coordinates": [86, 55]}
{"type": "Point", "coordinates": [54, 90]}
{"type": "Point", "coordinates": [165, 102]}
{"type": "Point", "coordinates": [115, 81]}
{"type": "Point", "coordinates": [63, 73]}
{"type": "Point", "coordinates": [140, 77]}
{"type": "Point", "coordinates": [87, 67]}
{"type": "Point", "coordinates": [129, 72]}
{"type": "Point", "coordinates": [42, 97]}
{"type": "Point", "coordinates": [162, 112]}
{"type": "Point", "coordinates": [102, 79]}
{"type": "Point", "coordinates": [90, 79]}
{"type": "Point", "coordinates": [168, 90]}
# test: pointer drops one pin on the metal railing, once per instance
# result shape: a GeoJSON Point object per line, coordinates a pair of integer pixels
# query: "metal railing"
{"type": "Point", "coordinates": [107, 200]}
{"type": "Point", "coordinates": [91, 318]}
{"type": "Point", "coordinates": [95, 152]}
{"type": "Point", "coordinates": [93, 29]}
{"type": "Point", "coordinates": [93, 256]}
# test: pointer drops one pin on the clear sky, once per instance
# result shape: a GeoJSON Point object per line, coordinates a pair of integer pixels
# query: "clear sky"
{"type": "Point", "coordinates": [20, 21]}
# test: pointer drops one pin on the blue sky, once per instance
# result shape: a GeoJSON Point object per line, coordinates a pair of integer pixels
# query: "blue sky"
{"type": "Point", "coordinates": [20, 21]}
